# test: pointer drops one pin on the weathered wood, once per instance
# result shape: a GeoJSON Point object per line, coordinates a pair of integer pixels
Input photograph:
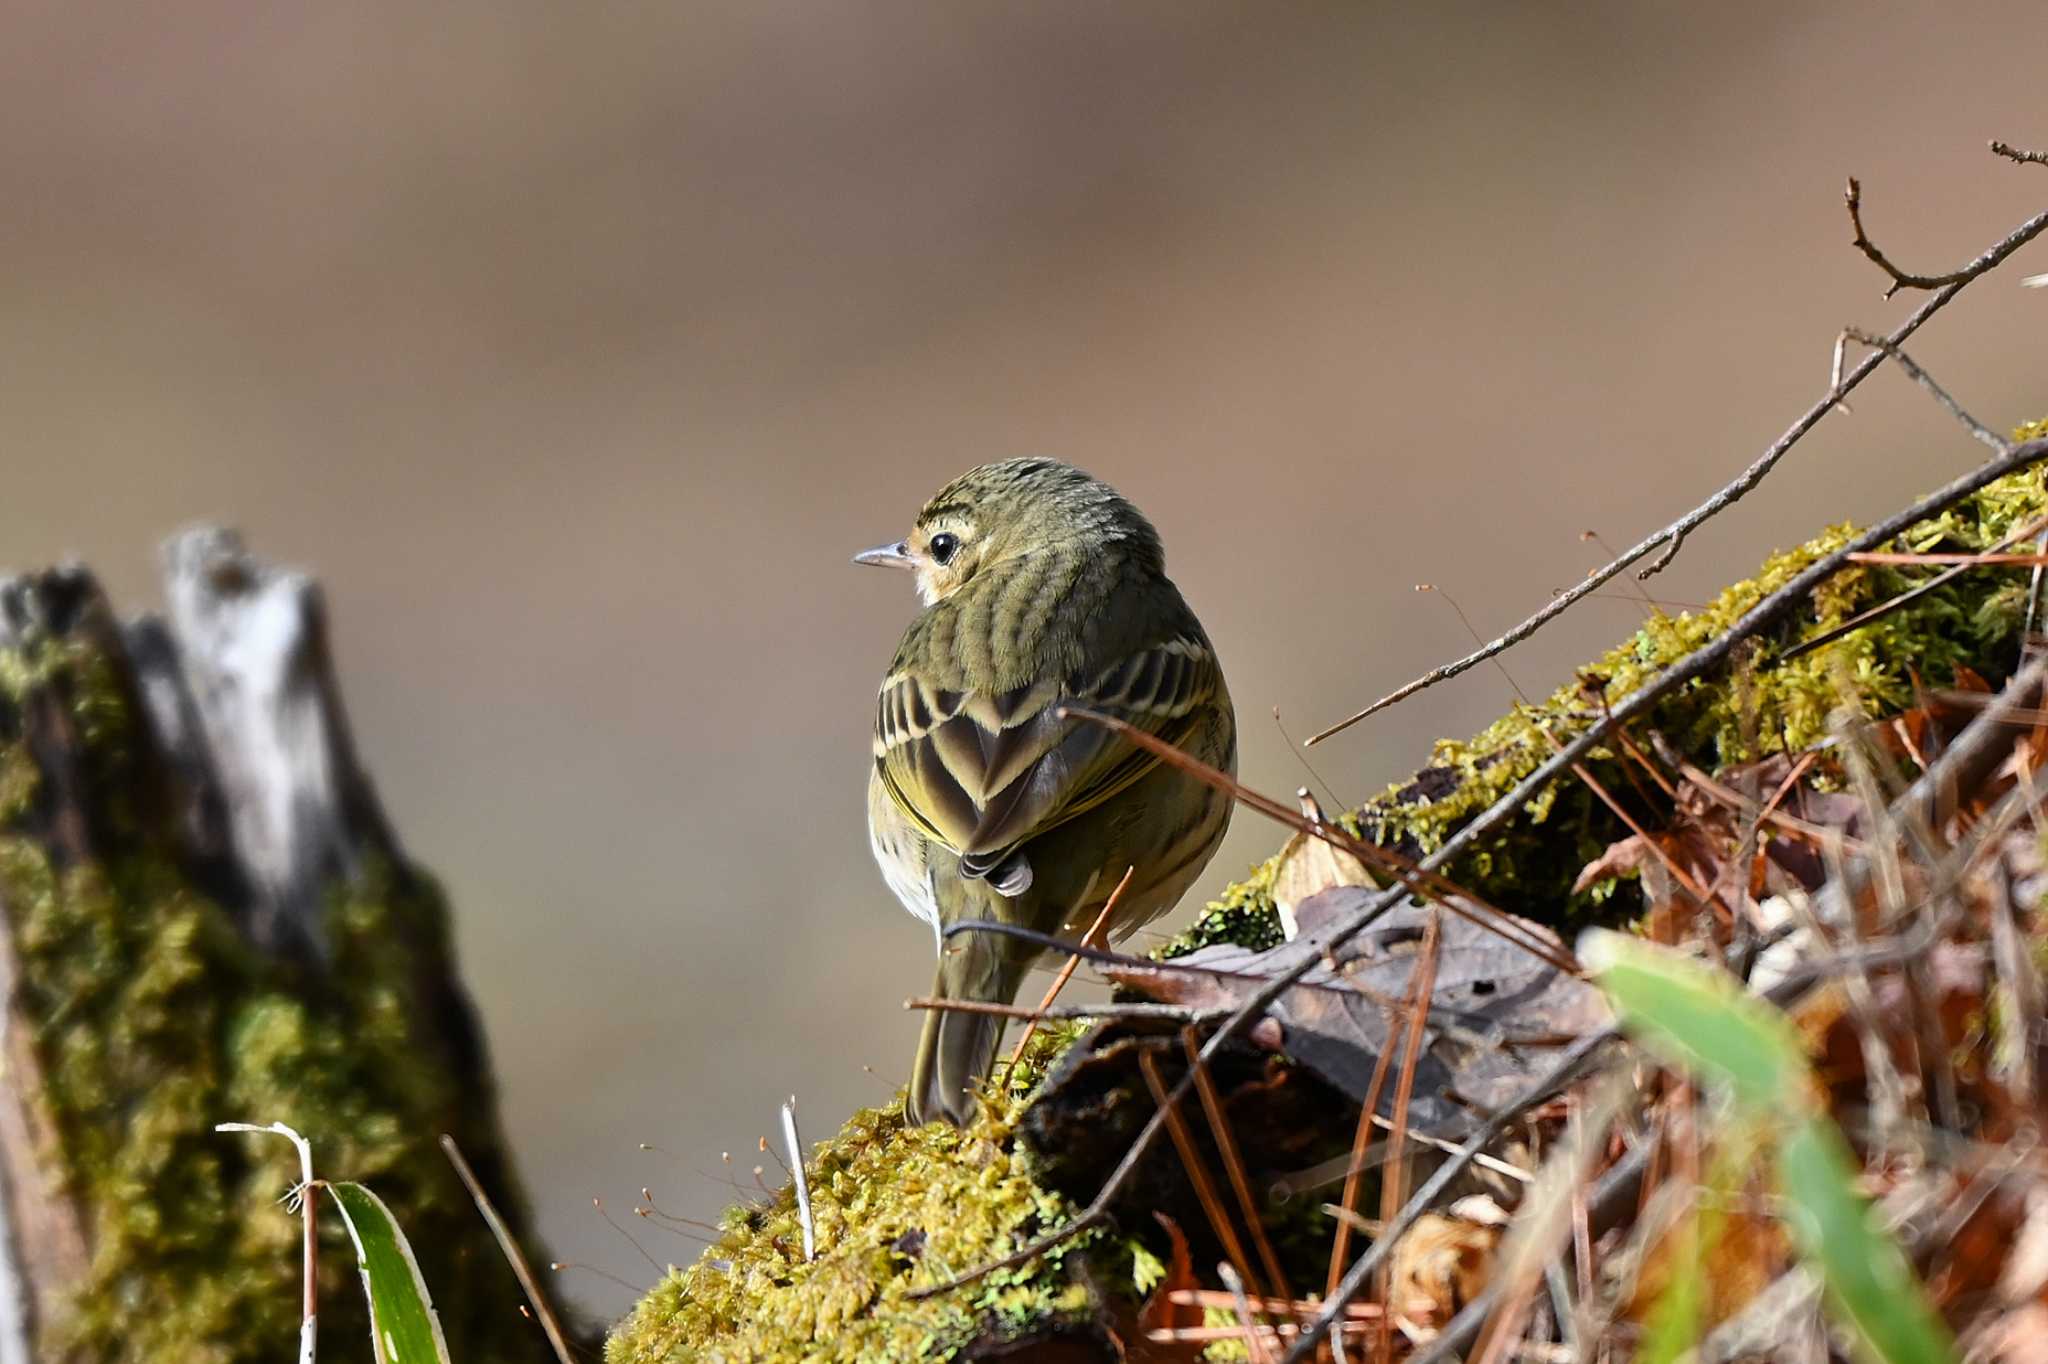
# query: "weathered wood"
{"type": "Point", "coordinates": [205, 907]}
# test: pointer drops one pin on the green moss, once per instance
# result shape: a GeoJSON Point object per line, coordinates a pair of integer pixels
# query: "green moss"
{"type": "Point", "coordinates": [151, 1020]}
{"type": "Point", "coordinates": [971, 1194]}
{"type": "Point", "coordinates": [1766, 706]}
{"type": "Point", "coordinates": [896, 1208]}
{"type": "Point", "coordinates": [1243, 914]}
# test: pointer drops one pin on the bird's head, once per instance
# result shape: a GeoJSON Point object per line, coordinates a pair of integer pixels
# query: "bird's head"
{"type": "Point", "coordinates": [1003, 511]}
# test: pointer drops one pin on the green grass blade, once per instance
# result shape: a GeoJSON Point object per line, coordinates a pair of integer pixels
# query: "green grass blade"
{"type": "Point", "coordinates": [1868, 1279]}
{"type": "Point", "coordinates": [1703, 1021]}
{"type": "Point", "coordinates": [1700, 1019]}
{"type": "Point", "coordinates": [403, 1327]}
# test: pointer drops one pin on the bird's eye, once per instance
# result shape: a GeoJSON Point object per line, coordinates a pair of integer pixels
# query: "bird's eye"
{"type": "Point", "coordinates": [944, 546]}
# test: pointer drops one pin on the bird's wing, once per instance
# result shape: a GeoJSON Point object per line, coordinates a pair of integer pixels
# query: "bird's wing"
{"type": "Point", "coordinates": [982, 772]}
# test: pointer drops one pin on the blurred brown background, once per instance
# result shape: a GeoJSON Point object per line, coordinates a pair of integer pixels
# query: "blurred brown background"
{"type": "Point", "coordinates": [576, 347]}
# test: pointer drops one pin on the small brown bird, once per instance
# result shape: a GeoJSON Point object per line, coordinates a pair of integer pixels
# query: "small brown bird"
{"type": "Point", "coordinates": [1042, 588]}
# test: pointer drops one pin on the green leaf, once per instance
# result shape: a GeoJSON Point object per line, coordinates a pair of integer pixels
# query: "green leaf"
{"type": "Point", "coordinates": [1700, 1019]}
{"type": "Point", "coordinates": [1867, 1276]}
{"type": "Point", "coordinates": [403, 1327]}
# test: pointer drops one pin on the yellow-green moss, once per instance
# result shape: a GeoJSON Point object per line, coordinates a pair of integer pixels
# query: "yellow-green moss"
{"type": "Point", "coordinates": [896, 1208]}
{"type": "Point", "coordinates": [1972, 621]}
{"type": "Point", "coordinates": [752, 1298]}
{"type": "Point", "coordinates": [151, 1021]}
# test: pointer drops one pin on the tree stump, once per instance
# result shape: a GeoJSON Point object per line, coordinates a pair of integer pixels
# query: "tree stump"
{"type": "Point", "coordinates": [207, 917]}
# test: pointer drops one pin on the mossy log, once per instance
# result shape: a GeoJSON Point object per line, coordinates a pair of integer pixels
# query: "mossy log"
{"type": "Point", "coordinates": [207, 918]}
{"type": "Point", "coordinates": [899, 1210]}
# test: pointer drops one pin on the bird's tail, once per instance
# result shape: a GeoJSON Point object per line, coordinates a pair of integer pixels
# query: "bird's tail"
{"type": "Point", "coordinates": [957, 1050]}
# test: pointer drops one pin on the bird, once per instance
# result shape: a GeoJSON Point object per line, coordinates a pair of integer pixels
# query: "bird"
{"type": "Point", "coordinates": [1042, 591]}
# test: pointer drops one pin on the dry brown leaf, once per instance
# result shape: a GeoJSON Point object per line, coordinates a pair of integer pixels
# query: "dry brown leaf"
{"type": "Point", "coordinates": [1308, 867]}
{"type": "Point", "coordinates": [1438, 1266]}
{"type": "Point", "coordinates": [1749, 1254]}
{"type": "Point", "coordinates": [1498, 1012]}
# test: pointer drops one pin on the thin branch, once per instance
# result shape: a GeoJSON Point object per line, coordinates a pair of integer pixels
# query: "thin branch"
{"type": "Point", "coordinates": [1233, 1164]}
{"type": "Point", "coordinates": [1853, 199]}
{"type": "Point", "coordinates": [1758, 618]}
{"type": "Point", "coordinates": [1765, 613]}
{"type": "Point", "coordinates": [1563, 1073]}
{"type": "Point", "coordinates": [1330, 1171]}
{"type": "Point", "coordinates": [1198, 1171]}
{"type": "Point", "coordinates": [1673, 536]}
{"type": "Point", "coordinates": [1926, 381]}
{"type": "Point", "coordinates": [1417, 878]}
{"type": "Point", "coordinates": [549, 1323]}
{"type": "Point", "coordinates": [1066, 971]}
{"type": "Point", "coordinates": [1254, 1338]}
{"type": "Point", "coordinates": [1885, 608]}
{"type": "Point", "coordinates": [2012, 153]}
{"type": "Point", "coordinates": [1392, 1181]}
{"type": "Point", "coordinates": [1164, 1013]}
{"type": "Point", "coordinates": [1458, 1023]}
{"type": "Point", "coordinates": [1900, 558]}
{"type": "Point", "coordinates": [1615, 1193]}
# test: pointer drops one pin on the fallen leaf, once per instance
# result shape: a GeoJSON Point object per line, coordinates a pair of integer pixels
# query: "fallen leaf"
{"type": "Point", "coordinates": [1439, 1264]}
{"type": "Point", "coordinates": [1309, 866]}
{"type": "Point", "coordinates": [1496, 1013]}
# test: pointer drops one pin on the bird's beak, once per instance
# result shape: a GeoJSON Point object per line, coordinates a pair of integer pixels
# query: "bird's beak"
{"type": "Point", "coordinates": [895, 555]}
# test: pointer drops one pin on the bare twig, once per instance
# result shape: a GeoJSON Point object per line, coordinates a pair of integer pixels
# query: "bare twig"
{"type": "Point", "coordinates": [1456, 1022]}
{"type": "Point", "coordinates": [1254, 1338]}
{"type": "Point", "coordinates": [1758, 618]}
{"type": "Point", "coordinates": [1417, 878]}
{"type": "Point", "coordinates": [1355, 1167]}
{"type": "Point", "coordinates": [1969, 750]}
{"type": "Point", "coordinates": [1954, 558]}
{"type": "Point", "coordinates": [1233, 1164]}
{"type": "Point", "coordinates": [1926, 381]}
{"type": "Point", "coordinates": [2012, 153]}
{"type": "Point", "coordinates": [1672, 537]}
{"type": "Point", "coordinates": [1852, 198]}
{"type": "Point", "coordinates": [1885, 608]}
{"type": "Point", "coordinates": [549, 1322]}
{"type": "Point", "coordinates": [1364, 1157]}
{"type": "Point", "coordinates": [1393, 1184]}
{"type": "Point", "coordinates": [1198, 1170]}
{"type": "Point", "coordinates": [1066, 971]}
{"type": "Point", "coordinates": [1284, 1307]}
{"type": "Point", "coordinates": [1563, 1073]}
{"type": "Point", "coordinates": [1164, 1013]}
{"type": "Point", "coordinates": [1614, 1194]}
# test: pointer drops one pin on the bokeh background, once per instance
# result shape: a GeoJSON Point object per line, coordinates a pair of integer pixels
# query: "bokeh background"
{"type": "Point", "coordinates": [576, 347]}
